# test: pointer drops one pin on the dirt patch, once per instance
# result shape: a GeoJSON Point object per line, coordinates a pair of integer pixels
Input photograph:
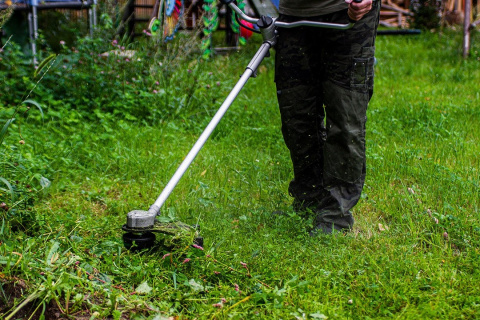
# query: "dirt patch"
{"type": "Point", "coordinates": [15, 290]}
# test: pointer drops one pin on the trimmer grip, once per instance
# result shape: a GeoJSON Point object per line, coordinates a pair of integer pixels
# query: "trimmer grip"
{"type": "Point", "coordinates": [349, 19]}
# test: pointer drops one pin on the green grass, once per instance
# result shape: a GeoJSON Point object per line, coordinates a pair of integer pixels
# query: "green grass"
{"type": "Point", "coordinates": [413, 254]}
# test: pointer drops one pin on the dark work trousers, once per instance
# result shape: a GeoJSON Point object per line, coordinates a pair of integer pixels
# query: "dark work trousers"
{"type": "Point", "coordinates": [324, 81]}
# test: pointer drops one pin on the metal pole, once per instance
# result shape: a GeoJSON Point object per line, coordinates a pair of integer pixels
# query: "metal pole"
{"type": "Point", "coordinates": [33, 30]}
{"type": "Point", "coordinates": [94, 14]}
{"type": "Point", "coordinates": [249, 71]}
{"type": "Point", "coordinates": [306, 23]}
{"type": "Point", "coordinates": [466, 28]}
{"type": "Point", "coordinates": [90, 21]}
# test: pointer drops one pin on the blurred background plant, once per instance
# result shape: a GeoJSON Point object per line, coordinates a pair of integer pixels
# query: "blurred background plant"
{"type": "Point", "coordinates": [20, 183]}
{"type": "Point", "coordinates": [426, 14]}
{"type": "Point", "coordinates": [94, 73]}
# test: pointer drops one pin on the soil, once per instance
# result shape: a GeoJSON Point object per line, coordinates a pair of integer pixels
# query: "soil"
{"type": "Point", "coordinates": [15, 290]}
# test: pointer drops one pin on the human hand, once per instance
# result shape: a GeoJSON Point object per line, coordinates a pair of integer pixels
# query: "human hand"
{"type": "Point", "coordinates": [356, 10]}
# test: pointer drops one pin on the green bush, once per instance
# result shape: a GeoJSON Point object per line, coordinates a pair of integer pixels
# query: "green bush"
{"type": "Point", "coordinates": [426, 14]}
{"type": "Point", "coordinates": [65, 29]}
{"type": "Point", "coordinates": [131, 81]}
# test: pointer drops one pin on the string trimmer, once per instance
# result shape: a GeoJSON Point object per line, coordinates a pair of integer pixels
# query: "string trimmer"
{"type": "Point", "coordinates": [141, 224]}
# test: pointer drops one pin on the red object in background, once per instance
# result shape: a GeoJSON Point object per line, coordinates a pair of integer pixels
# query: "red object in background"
{"type": "Point", "coordinates": [245, 32]}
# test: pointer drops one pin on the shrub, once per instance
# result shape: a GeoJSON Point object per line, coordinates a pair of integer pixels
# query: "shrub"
{"type": "Point", "coordinates": [426, 14]}
{"type": "Point", "coordinates": [133, 81]}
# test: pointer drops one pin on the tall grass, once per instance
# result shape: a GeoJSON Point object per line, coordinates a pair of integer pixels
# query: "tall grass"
{"type": "Point", "coordinates": [413, 253]}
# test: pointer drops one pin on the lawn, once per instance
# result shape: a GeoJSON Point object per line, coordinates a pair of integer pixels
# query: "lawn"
{"type": "Point", "coordinates": [414, 252]}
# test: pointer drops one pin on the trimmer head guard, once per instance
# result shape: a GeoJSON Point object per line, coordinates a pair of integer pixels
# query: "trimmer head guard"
{"type": "Point", "coordinates": [141, 219]}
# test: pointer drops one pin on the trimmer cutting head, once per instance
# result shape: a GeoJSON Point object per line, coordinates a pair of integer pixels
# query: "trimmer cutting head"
{"type": "Point", "coordinates": [138, 241]}
{"type": "Point", "coordinates": [139, 238]}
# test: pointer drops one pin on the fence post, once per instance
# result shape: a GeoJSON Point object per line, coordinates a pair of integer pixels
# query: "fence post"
{"type": "Point", "coordinates": [466, 28]}
{"type": "Point", "coordinates": [33, 29]}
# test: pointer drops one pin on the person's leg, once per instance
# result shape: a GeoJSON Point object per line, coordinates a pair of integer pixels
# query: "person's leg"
{"type": "Point", "coordinates": [347, 91]}
{"type": "Point", "coordinates": [302, 114]}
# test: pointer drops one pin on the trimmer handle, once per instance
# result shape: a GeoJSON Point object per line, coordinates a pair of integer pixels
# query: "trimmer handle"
{"type": "Point", "coordinates": [268, 25]}
{"type": "Point", "coordinates": [281, 24]}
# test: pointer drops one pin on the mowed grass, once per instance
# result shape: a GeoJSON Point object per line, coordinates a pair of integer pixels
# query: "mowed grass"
{"type": "Point", "coordinates": [413, 254]}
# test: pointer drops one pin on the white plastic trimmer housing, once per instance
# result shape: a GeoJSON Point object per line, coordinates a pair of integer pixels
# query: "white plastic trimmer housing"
{"type": "Point", "coordinates": [142, 218]}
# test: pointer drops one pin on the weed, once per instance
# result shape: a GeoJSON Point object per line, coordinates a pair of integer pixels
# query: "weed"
{"type": "Point", "coordinates": [21, 184]}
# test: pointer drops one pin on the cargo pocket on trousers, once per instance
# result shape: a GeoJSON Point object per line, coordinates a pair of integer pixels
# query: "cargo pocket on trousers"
{"type": "Point", "coordinates": [362, 70]}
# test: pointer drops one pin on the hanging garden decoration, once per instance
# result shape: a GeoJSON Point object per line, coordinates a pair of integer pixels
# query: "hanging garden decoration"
{"type": "Point", "coordinates": [210, 24]}
{"type": "Point", "coordinates": [168, 18]}
{"type": "Point", "coordinates": [173, 12]}
{"type": "Point", "coordinates": [155, 25]}
{"type": "Point", "coordinates": [170, 15]}
{"type": "Point", "coordinates": [234, 24]}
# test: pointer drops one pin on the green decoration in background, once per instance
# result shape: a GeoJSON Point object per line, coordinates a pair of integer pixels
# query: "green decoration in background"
{"type": "Point", "coordinates": [173, 13]}
{"type": "Point", "coordinates": [235, 25]}
{"type": "Point", "coordinates": [155, 26]}
{"type": "Point", "coordinates": [210, 23]}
